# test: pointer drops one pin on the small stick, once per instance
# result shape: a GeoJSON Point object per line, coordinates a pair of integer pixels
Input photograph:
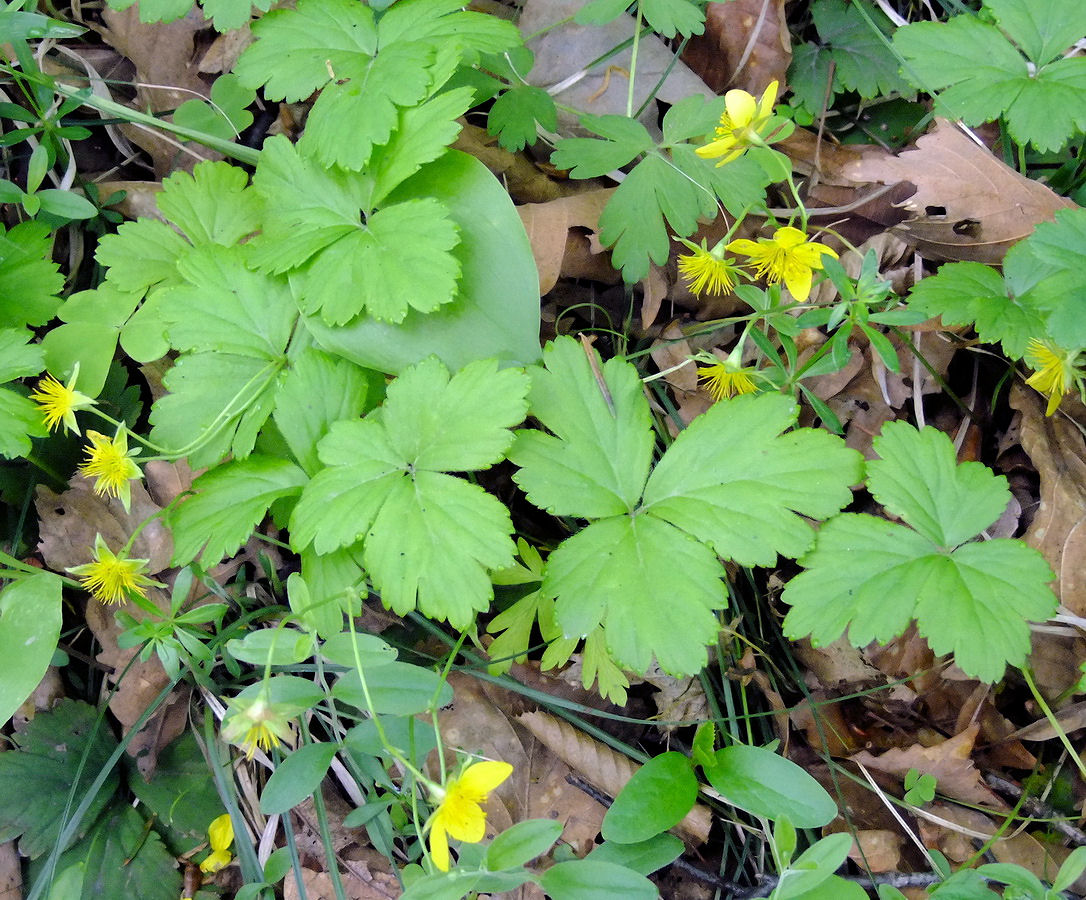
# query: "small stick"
{"type": "Point", "coordinates": [586, 344]}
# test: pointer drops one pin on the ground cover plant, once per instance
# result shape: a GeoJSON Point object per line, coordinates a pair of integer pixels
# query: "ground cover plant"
{"type": "Point", "coordinates": [572, 449]}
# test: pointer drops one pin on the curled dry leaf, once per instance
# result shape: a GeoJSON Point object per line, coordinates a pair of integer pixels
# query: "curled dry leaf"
{"type": "Point", "coordinates": [561, 53]}
{"type": "Point", "coordinates": [948, 761]}
{"type": "Point", "coordinates": [746, 45]}
{"type": "Point", "coordinates": [968, 204]}
{"type": "Point", "coordinates": [1058, 530]}
{"type": "Point", "coordinates": [602, 767]}
{"type": "Point", "coordinates": [558, 250]}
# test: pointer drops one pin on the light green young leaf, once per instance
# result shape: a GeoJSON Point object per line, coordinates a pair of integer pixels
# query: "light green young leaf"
{"type": "Point", "coordinates": [444, 23]}
{"type": "Point", "coordinates": [982, 75]}
{"type": "Point", "coordinates": [518, 112]}
{"type": "Point", "coordinates": [231, 500]}
{"type": "Point", "coordinates": [871, 576]}
{"type": "Point", "coordinates": [141, 255]}
{"type": "Point", "coordinates": [316, 391]}
{"type": "Point", "coordinates": [20, 419]}
{"type": "Point", "coordinates": [30, 618]}
{"type": "Point", "coordinates": [226, 307]}
{"type": "Point", "coordinates": [296, 48]}
{"type": "Point", "coordinates": [227, 396]}
{"type": "Point", "coordinates": [600, 12]}
{"type": "Point", "coordinates": [1043, 32]}
{"type": "Point", "coordinates": [623, 140]}
{"type": "Point", "coordinates": [227, 113]}
{"type": "Point", "coordinates": [735, 481]}
{"type": "Point", "coordinates": [335, 582]}
{"type": "Point", "coordinates": [428, 537]}
{"type": "Point", "coordinates": [613, 574]}
{"type": "Point", "coordinates": [156, 10]}
{"type": "Point", "coordinates": [29, 279]}
{"type": "Point", "coordinates": [918, 478]}
{"type": "Point", "coordinates": [595, 462]}
{"type": "Point", "coordinates": [421, 135]}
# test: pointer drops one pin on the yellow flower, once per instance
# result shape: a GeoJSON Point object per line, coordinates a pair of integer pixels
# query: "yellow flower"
{"type": "Point", "coordinates": [743, 125]}
{"type": "Point", "coordinates": [724, 380]}
{"type": "Point", "coordinates": [220, 834]}
{"type": "Point", "coordinates": [707, 270]}
{"type": "Point", "coordinates": [257, 723]}
{"type": "Point", "coordinates": [788, 256]}
{"type": "Point", "coordinates": [1055, 370]}
{"type": "Point", "coordinates": [460, 814]}
{"type": "Point", "coordinates": [59, 402]}
{"type": "Point", "coordinates": [109, 461]}
{"type": "Point", "coordinates": [111, 578]}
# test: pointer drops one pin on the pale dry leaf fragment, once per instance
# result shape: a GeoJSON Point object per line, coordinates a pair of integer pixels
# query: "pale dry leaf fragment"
{"type": "Point", "coordinates": [746, 45]}
{"type": "Point", "coordinates": [677, 700]}
{"type": "Point", "coordinates": [561, 53]}
{"type": "Point", "coordinates": [968, 204]}
{"type": "Point", "coordinates": [523, 179]}
{"type": "Point", "coordinates": [950, 763]}
{"type": "Point", "coordinates": [672, 352]}
{"type": "Point", "coordinates": [1058, 530]}
{"type": "Point", "coordinates": [140, 198]}
{"type": "Point", "coordinates": [1071, 719]}
{"type": "Point", "coordinates": [876, 849]}
{"type": "Point", "coordinates": [11, 878]}
{"type": "Point", "coordinates": [602, 767]}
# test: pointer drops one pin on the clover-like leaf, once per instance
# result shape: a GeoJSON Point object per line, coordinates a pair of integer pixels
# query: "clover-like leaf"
{"type": "Point", "coordinates": [870, 577]}
{"type": "Point", "coordinates": [428, 538]}
{"type": "Point", "coordinates": [518, 112]}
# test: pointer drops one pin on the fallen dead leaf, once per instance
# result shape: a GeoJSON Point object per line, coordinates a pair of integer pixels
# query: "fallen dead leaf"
{"type": "Point", "coordinates": [746, 45]}
{"type": "Point", "coordinates": [1058, 530]}
{"type": "Point", "coordinates": [548, 226]}
{"type": "Point", "coordinates": [561, 52]}
{"type": "Point", "coordinates": [877, 850]}
{"type": "Point", "coordinates": [968, 204]}
{"type": "Point", "coordinates": [11, 878]}
{"type": "Point", "coordinates": [948, 761]}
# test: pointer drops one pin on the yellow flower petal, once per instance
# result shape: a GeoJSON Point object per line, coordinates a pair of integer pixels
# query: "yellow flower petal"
{"type": "Point", "coordinates": [109, 462]}
{"type": "Point", "coordinates": [788, 256]}
{"type": "Point", "coordinates": [112, 578]}
{"type": "Point", "coordinates": [483, 777]}
{"type": "Point", "coordinates": [439, 846]}
{"type": "Point", "coordinates": [221, 832]}
{"type": "Point", "coordinates": [1055, 371]}
{"type": "Point", "coordinates": [724, 380]}
{"type": "Point", "coordinates": [741, 108]}
{"type": "Point", "coordinates": [789, 237]}
{"type": "Point", "coordinates": [705, 272]}
{"type": "Point", "coordinates": [217, 859]}
{"type": "Point", "coordinates": [460, 813]}
{"type": "Point", "coordinates": [58, 402]}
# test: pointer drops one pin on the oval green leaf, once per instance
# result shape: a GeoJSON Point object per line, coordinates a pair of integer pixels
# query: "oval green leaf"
{"type": "Point", "coordinates": [586, 879]}
{"type": "Point", "coordinates": [395, 688]}
{"type": "Point", "coordinates": [522, 843]}
{"type": "Point", "coordinates": [645, 857]}
{"type": "Point", "coordinates": [30, 616]}
{"type": "Point", "coordinates": [372, 651]}
{"type": "Point", "coordinates": [277, 646]}
{"type": "Point", "coordinates": [766, 784]}
{"type": "Point", "coordinates": [296, 778]}
{"type": "Point", "coordinates": [660, 793]}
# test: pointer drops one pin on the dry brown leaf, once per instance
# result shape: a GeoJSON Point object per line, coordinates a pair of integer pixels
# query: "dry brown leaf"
{"type": "Point", "coordinates": [604, 768]}
{"type": "Point", "coordinates": [654, 288]}
{"type": "Point", "coordinates": [746, 45]}
{"type": "Point", "coordinates": [139, 200]}
{"type": "Point", "coordinates": [318, 886]}
{"type": "Point", "coordinates": [676, 699]}
{"type": "Point", "coordinates": [968, 204]}
{"type": "Point", "coordinates": [669, 351]}
{"type": "Point", "coordinates": [548, 226]}
{"type": "Point", "coordinates": [11, 878]}
{"type": "Point", "coordinates": [561, 52]}
{"type": "Point", "coordinates": [877, 850]}
{"type": "Point", "coordinates": [1071, 718]}
{"type": "Point", "coordinates": [69, 522]}
{"type": "Point", "coordinates": [524, 181]}
{"type": "Point", "coordinates": [1058, 530]}
{"type": "Point", "coordinates": [948, 761]}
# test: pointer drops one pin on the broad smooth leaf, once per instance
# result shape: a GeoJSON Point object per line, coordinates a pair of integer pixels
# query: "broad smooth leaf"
{"type": "Point", "coordinates": [588, 879]}
{"type": "Point", "coordinates": [766, 784]}
{"type": "Point", "coordinates": [645, 857]}
{"type": "Point", "coordinates": [660, 793]}
{"type": "Point", "coordinates": [396, 688]}
{"type": "Point", "coordinates": [520, 844]}
{"type": "Point", "coordinates": [495, 312]}
{"type": "Point", "coordinates": [30, 618]}
{"type": "Point", "coordinates": [296, 777]}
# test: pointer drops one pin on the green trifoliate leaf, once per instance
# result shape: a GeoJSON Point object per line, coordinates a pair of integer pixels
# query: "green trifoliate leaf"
{"type": "Point", "coordinates": [981, 75]}
{"type": "Point", "coordinates": [228, 15]}
{"type": "Point", "coordinates": [428, 538]}
{"type": "Point", "coordinates": [317, 391]}
{"type": "Point", "coordinates": [861, 59]}
{"type": "Point", "coordinates": [225, 396]}
{"type": "Point", "coordinates": [731, 485]}
{"type": "Point", "coordinates": [634, 219]}
{"type": "Point", "coordinates": [397, 259]}
{"type": "Point", "coordinates": [517, 112]}
{"type": "Point", "coordinates": [226, 307]}
{"type": "Point", "coordinates": [919, 479]}
{"type": "Point", "coordinates": [595, 461]}
{"type": "Point", "coordinates": [871, 577]}
{"type": "Point", "coordinates": [613, 574]}
{"type": "Point", "coordinates": [212, 206]}
{"type": "Point", "coordinates": [29, 279]}
{"type": "Point", "coordinates": [623, 140]}
{"type": "Point", "coordinates": [968, 293]}
{"type": "Point", "coordinates": [156, 10]}
{"type": "Point", "coordinates": [227, 113]}
{"type": "Point", "coordinates": [735, 481]}
{"type": "Point", "coordinates": [230, 501]}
